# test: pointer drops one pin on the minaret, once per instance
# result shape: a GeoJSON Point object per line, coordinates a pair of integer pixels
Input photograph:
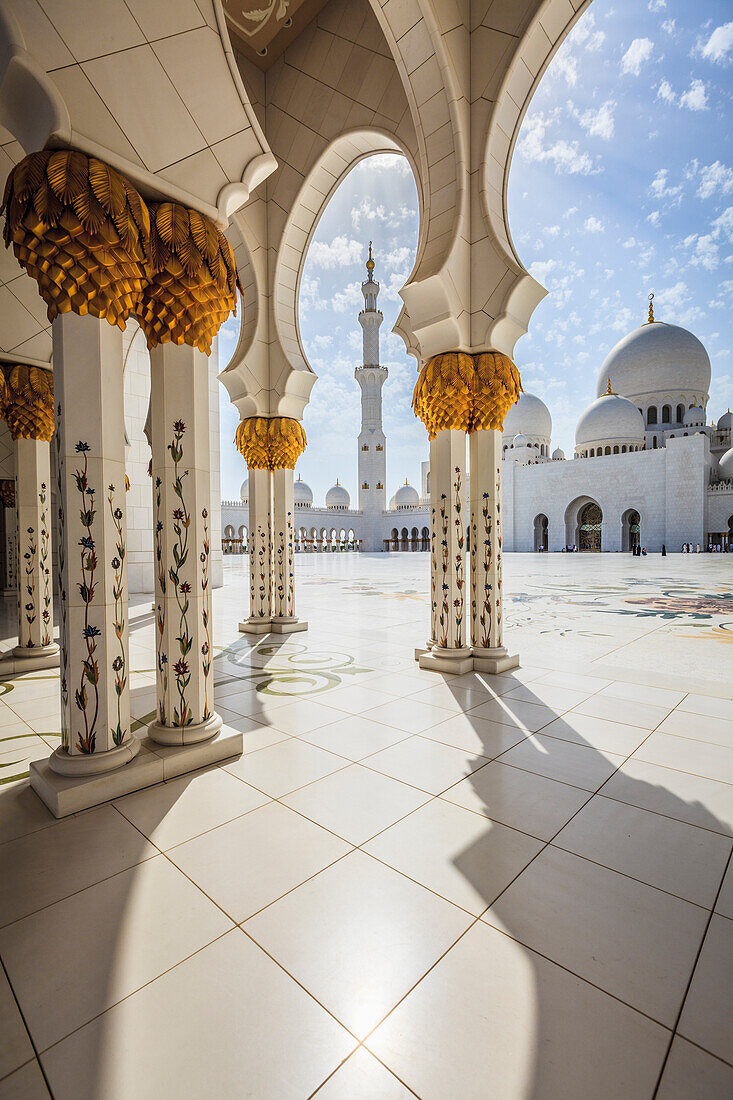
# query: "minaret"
{"type": "Point", "coordinates": [371, 377]}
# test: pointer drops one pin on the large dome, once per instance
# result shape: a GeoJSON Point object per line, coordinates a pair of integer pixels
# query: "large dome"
{"type": "Point", "coordinates": [244, 491]}
{"type": "Point", "coordinates": [302, 493]}
{"type": "Point", "coordinates": [655, 360]}
{"type": "Point", "coordinates": [610, 419]}
{"type": "Point", "coordinates": [726, 422]}
{"type": "Point", "coordinates": [338, 497]}
{"type": "Point", "coordinates": [406, 497]}
{"type": "Point", "coordinates": [726, 465]}
{"type": "Point", "coordinates": [530, 416]}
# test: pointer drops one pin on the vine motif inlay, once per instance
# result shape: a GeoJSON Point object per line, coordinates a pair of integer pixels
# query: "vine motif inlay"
{"type": "Point", "coordinates": [87, 741]}
{"type": "Point", "coordinates": [162, 656]}
{"type": "Point", "coordinates": [61, 555]}
{"type": "Point", "coordinates": [460, 539]}
{"type": "Point", "coordinates": [182, 714]}
{"type": "Point", "coordinates": [444, 607]}
{"type": "Point", "coordinates": [119, 664]}
{"type": "Point", "coordinates": [486, 611]}
{"type": "Point", "coordinates": [205, 612]}
{"type": "Point", "coordinates": [29, 557]}
{"type": "Point", "coordinates": [45, 549]}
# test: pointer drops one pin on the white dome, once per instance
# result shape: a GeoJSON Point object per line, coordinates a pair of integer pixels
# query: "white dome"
{"type": "Point", "coordinates": [694, 416]}
{"type": "Point", "coordinates": [558, 454]}
{"type": "Point", "coordinates": [406, 496]}
{"type": "Point", "coordinates": [656, 359]}
{"type": "Point", "coordinates": [726, 422]}
{"type": "Point", "coordinates": [726, 465]}
{"type": "Point", "coordinates": [610, 419]}
{"type": "Point", "coordinates": [244, 491]}
{"type": "Point", "coordinates": [519, 441]}
{"type": "Point", "coordinates": [302, 493]}
{"type": "Point", "coordinates": [530, 416]}
{"type": "Point", "coordinates": [337, 497]}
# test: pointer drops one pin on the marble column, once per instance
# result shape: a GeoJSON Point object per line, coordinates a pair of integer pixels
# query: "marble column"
{"type": "Point", "coordinates": [448, 598]}
{"type": "Point", "coordinates": [489, 652]}
{"type": "Point", "coordinates": [90, 456]}
{"type": "Point", "coordinates": [179, 400]}
{"type": "Point", "coordinates": [35, 592]}
{"type": "Point", "coordinates": [284, 620]}
{"type": "Point", "coordinates": [261, 595]}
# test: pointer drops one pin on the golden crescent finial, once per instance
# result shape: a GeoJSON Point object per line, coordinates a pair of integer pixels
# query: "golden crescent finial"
{"type": "Point", "coordinates": [650, 321]}
{"type": "Point", "coordinates": [609, 391]}
{"type": "Point", "coordinates": [370, 261]}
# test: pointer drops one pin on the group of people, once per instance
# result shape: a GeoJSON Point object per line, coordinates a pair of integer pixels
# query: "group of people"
{"type": "Point", "coordinates": [712, 548]}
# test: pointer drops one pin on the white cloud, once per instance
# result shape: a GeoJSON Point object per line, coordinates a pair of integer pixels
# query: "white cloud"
{"type": "Point", "coordinates": [570, 211]}
{"type": "Point", "coordinates": [695, 98]}
{"type": "Point", "coordinates": [585, 34]}
{"type": "Point", "coordinates": [715, 179]}
{"type": "Point", "coordinates": [400, 257]}
{"type": "Point", "coordinates": [660, 188]}
{"type": "Point", "coordinates": [653, 218]}
{"type": "Point", "coordinates": [599, 123]}
{"type": "Point", "coordinates": [719, 45]}
{"type": "Point", "coordinates": [341, 252]}
{"type": "Point", "coordinates": [322, 340]}
{"type": "Point", "coordinates": [566, 156]}
{"type": "Point", "coordinates": [657, 5]}
{"type": "Point", "coordinates": [347, 299]}
{"type": "Point", "coordinates": [668, 26]}
{"type": "Point", "coordinates": [593, 225]}
{"type": "Point", "coordinates": [368, 213]}
{"type": "Point", "coordinates": [540, 269]}
{"type": "Point", "coordinates": [630, 242]}
{"type": "Point", "coordinates": [551, 230]}
{"type": "Point", "coordinates": [665, 92]}
{"type": "Point", "coordinates": [638, 52]}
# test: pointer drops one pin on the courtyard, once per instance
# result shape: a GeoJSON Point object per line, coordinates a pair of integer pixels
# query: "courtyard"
{"type": "Point", "coordinates": [410, 883]}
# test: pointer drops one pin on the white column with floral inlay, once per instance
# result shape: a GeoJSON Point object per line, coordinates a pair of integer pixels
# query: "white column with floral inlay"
{"type": "Point", "coordinates": [90, 457]}
{"type": "Point", "coordinates": [490, 654]}
{"type": "Point", "coordinates": [260, 553]}
{"type": "Point", "coordinates": [179, 402]}
{"type": "Point", "coordinates": [35, 594]}
{"type": "Point", "coordinates": [448, 581]}
{"type": "Point", "coordinates": [284, 620]}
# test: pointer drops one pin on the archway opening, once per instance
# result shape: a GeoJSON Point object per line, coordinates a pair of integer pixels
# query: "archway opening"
{"type": "Point", "coordinates": [541, 532]}
{"type": "Point", "coordinates": [630, 529]}
{"type": "Point", "coordinates": [590, 523]}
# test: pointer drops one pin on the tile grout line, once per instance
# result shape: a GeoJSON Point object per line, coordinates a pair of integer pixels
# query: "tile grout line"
{"type": "Point", "coordinates": [27, 1030]}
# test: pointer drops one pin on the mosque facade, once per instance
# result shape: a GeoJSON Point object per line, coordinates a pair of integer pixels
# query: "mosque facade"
{"type": "Point", "coordinates": [649, 467]}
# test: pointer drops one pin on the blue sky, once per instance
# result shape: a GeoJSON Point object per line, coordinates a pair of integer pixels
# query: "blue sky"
{"type": "Point", "coordinates": [621, 184]}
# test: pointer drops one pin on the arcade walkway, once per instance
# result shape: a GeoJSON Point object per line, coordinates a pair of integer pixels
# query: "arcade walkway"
{"type": "Point", "coordinates": [410, 884]}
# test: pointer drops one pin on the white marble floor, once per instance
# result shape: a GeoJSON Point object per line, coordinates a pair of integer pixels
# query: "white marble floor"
{"type": "Point", "coordinates": [410, 884]}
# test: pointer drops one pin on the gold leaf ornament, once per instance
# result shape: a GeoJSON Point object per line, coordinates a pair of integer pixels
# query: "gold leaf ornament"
{"type": "Point", "coordinates": [81, 231]}
{"type": "Point", "coordinates": [463, 392]}
{"type": "Point", "coordinates": [193, 279]}
{"type": "Point", "coordinates": [270, 443]}
{"type": "Point", "coordinates": [26, 401]}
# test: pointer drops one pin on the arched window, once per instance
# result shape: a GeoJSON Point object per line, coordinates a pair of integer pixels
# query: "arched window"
{"type": "Point", "coordinates": [623, 449]}
{"type": "Point", "coordinates": [607, 451]}
{"type": "Point", "coordinates": [666, 414]}
{"type": "Point", "coordinates": [615, 450]}
{"type": "Point", "coordinates": [654, 442]}
{"type": "Point", "coordinates": [680, 413]}
{"type": "Point", "coordinates": [651, 414]}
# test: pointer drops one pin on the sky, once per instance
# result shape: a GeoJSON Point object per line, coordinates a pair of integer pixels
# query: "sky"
{"type": "Point", "coordinates": [621, 184]}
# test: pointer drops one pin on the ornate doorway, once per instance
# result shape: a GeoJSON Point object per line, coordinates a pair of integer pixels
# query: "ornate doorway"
{"type": "Point", "coordinates": [590, 523]}
{"type": "Point", "coordinates": [631, 529]}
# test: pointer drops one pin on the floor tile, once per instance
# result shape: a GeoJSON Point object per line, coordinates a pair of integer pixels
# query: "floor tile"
{"type": "Point", "coordinates": [562, 760]}
{"type": "Point", "coordinates": [520, 799]}
{"type": "Point", "coordinates": [25, 1084]}
{"type": "Point", "coordinates": [684, 754]}
{"type": "Point", "coordinates": [575, 680]}
{"type": "Point", "coordinates": [489, 1012]}
{"type": "Point", "coordinates": [285, 767]}
{"type": "Point", "coordinates": [118, 934]}
{"type": "Point", "coordinates": [362, 1077]}
{"type": "Point", "coordinates": [302, 716]}
{"type": "Point", "coordinates": [453, 696]}
{"type": "Point", "coordinates": [15, 1047]}
{"type": "Point", "coordinates": [516, 712]}
{"type": "Point", "coordinates": [461, 856]}
{"type": "Point", "coordinates": [699, 727]}
{"type": "Point", "coordinates": [641, 693]}
{"type": "Point", "coordinates": [692, 798]}
{"type": "Point", "coordinates": [358, 936]}
{"type": "Point", "coordinates": [577, 914]}
{"type": "Point", "coordinates": [249, 862]}
{"type": "Point", "coordinates": [408, 715]}
{"type": "Point", "coordinates": [706, 1018]}
{"type": "Point", "coordinates": [229, 998]}
{"type": "Point", "coordinates": [643, 715]}
{"type": "Point", "coordinates": [724, 904]}
{"type": "Point", "coordinates": [429, 765]}
{"type": "Point", "coordinates": [549, 695]}
{"type": "Point", "coordinates": [45, 866]}
{"type": "Point", "coordinates": [691, 1072]}
{"type": "Point", "coordinates": [709, 705]}
{"type": "Point", "coordinates": [355, 698]}
{"type": "Point", "coordinates": [596, 733]}
{"type": "Point", "coordinates": [477, 736]}
{"type": "Point", "coordinates": [354, 736]}
{"type": "Point", "coordinates": [355, 803]}
{"type": "Point", "coordinates": [660, 851]}
{"type": "Point", "coordinates": [22, 812]}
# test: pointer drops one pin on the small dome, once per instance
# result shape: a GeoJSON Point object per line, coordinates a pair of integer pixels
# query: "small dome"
{"type": "Point", "coordinates": [338, 497]}
{"type": "Point", "coordinates": [726, 422]}
{"type": "Point", "coordinates": [654, 360]}
{"type": "Point", "coordinates": [694, 416]}
{"type": "Point", "coordinates": [406, 496]}
{"type": "Point", "coordinates": [558, 454]}
{"type": "Point", "coordinates": [519, 441]}
{"type": "Point", "coordinates": [302, 493]}
{"type": "Point", "coordinates": [610, 419]}
{"type": "Point", "coordinates": [726, 465]}
{"type": "Point", "coordinates": [244, 491]}
{"type": "Point", "coordinates": [530, 416]}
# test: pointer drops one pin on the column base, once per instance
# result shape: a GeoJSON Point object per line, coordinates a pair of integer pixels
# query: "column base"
{"type": "Point", "coordinates": [455, 661]}
{"type": "Point", "coordinates": [93, 763]}
{"type": "Point", "coordinates": [185, 735]}
{"type": "Point", "coordinates": [420, 649]}
{"type": "Point", "coordinates": [255, 626]}
{"type": "Point", "coordinates": [24, 659]}
{"type": "Point", "coordinates": [287, 625]}
{"type": "Point", "coordinates": [494, 661]}
{"type": "Point", "coordinates": [153, 764]}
